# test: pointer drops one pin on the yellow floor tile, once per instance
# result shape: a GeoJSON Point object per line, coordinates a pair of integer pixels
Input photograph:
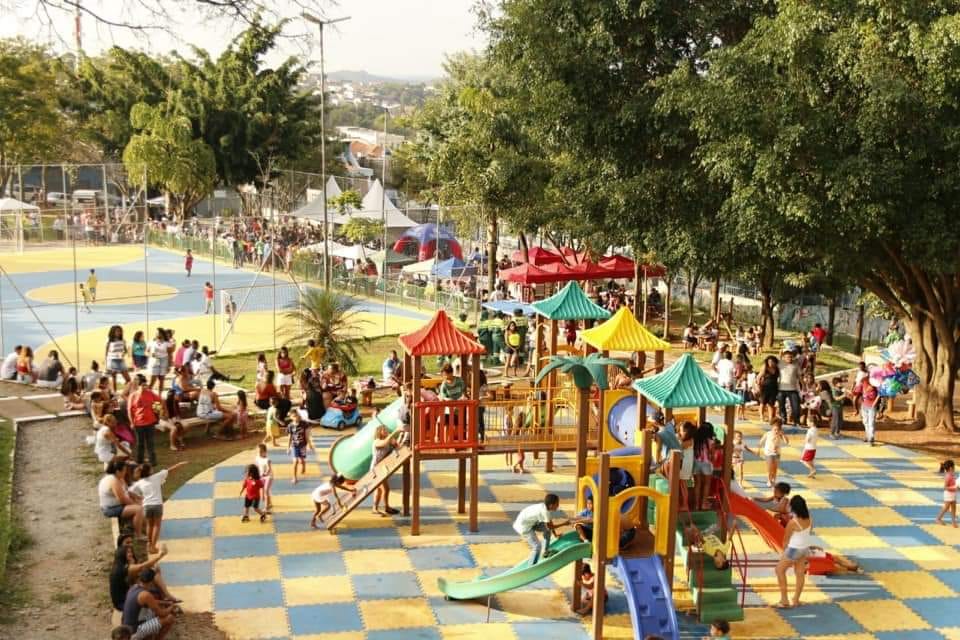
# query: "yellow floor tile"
{"type": "Point", "coordinates": [396, 614]}
{"type": "Point", "coordinates": [875, 516]}
{"type": "Point", "coordinates": [377, 561]}
{"type": "Point", "coordinates": [761, 622]}
{"type": "Point", "coordinates": [846, 538]}
{"type": "Point", "coordinates": [617, 626]}
{"type": "Point", "coordinates": [432, 535]}
{"type": "Point", "coordinates": [912, 584]}
{"type": "Point", "coordinates": [254, 623]}
{"type": "Point", "coordinates": [842, 466]}
{"type": "Point", "coordinates": [826, 481]}
{"type": "Point", "coordinates": [899, 497]}
{"type": "Point", "coordinates": [933, 558]}
{"type": "Point", "coordinates": [343, 635]}
{"type": "Point", "coordinates": [312, 541]}
{"type": "Point", "coordinates": [944, 533]}
{"type": "Point", "coordinates": [178, 509]}
{"type": "Point", "coordinates": [184, 549]}
{"type": "Point", "coordinates": [364, 518]}
{"type": "Point", "coordinates": [443, 479]}
{"type": "Point", "coordinates": [530, 604]}
{"type": "Point", "coordinates": [918, 479]}
{"type": "Point", "coordinates": [845, 636]}
{"type": "Point", "coordinates": [883, 615]}
{"type": "Point", "coordinates": [223, 490]}
{"type": "Point", "coordinates": [951, 633]}
{"type": "Point", "coordinates": [196, 598]}
{"type": "Point", "coordinates": [246, 569]}
{"type": "Point", "coordinates": [232, 526]}
{"type": "Point", "coordinates": [204, 476]}
{"type": "Point", "coordinates": [499, 554]}
{"type": "Point", "coordinates": [490, 631]}
{"type": "Point", "coordinates": [861, 451]}
{"type": "Point", "coordinates": [524, 494]}
{"type": "Point", "coordinates": [317, 590]}
{"type": "Point", "coordinates": [289, 503]}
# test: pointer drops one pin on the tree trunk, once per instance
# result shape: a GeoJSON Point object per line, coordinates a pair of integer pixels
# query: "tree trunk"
{"type": "Point", "coordinates": [766, 314]}
{"type": "Point", "coordinates": [524, 247]}
{"type": "Point", "coordinates": [666, 309]}
{"type": "Point", "coordinates": [492, 241]}
{"type": "Point", "coordinates": [858, 345]}
{"type": "Point", "coordinates": [772, 322]}
{"type": "Point", "coordinates": [691, 292]}
{"type": "Point", "coordinates": [715, 310]}
{"type": "Point", "coordinates": [936, 366]}
{"type": "Point", "coordinates": [831, 319]}
{"type": "Point", "coordinates": [638, 293]}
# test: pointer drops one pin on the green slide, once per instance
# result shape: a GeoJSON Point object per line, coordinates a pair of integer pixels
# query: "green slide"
{"type": "Point", "coordinates": [566, 549]}
{"type": "Point", "coordinates": [350, 455]}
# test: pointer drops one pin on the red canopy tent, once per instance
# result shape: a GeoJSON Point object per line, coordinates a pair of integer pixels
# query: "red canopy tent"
{"type": "Point", "coordinates": [625, 267]}
{"type": "Point", "coordinates": [528, 274]}
{"type": "Point", "coordinates": [538, 256]}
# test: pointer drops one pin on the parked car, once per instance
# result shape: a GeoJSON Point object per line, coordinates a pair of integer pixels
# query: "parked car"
{"type": "Point", "coordinates": [57, 197]}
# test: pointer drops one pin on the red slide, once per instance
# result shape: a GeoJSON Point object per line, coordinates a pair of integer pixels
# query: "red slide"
{"type": "Point", "coordinates": [770, 529]}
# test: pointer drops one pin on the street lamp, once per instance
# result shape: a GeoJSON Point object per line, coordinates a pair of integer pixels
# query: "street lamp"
{"type": "Point", "coordinates": [383, 213]}
{"type": "Point", "coordinates": [323, 144]}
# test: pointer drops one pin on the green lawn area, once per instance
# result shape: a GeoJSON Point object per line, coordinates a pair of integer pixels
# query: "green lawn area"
{"type": "Point", "coordinates": [7, 523]}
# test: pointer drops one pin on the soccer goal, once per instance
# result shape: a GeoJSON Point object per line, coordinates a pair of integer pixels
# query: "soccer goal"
{"type": "Point", "coordinates": [11, 231]}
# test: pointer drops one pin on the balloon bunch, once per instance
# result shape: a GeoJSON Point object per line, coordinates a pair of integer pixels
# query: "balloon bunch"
{"type": "Point", "coordinates": [896, 374]}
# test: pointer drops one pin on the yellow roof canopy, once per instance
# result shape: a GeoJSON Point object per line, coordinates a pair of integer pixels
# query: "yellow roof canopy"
{"type": "Point", "coordinates": [623, 332]}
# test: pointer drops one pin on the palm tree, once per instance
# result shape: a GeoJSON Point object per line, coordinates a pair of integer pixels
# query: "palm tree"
{"type": "Point", "coordinates": [334, 321]}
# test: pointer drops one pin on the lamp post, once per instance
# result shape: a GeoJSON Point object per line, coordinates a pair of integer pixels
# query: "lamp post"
{"type": "Point", "coordinates": [383, 214]}
{"type": "Point", "coordinates": [323, 144]}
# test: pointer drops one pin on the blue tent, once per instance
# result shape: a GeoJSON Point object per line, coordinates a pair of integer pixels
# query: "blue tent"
{"type": "Point", "coordinates": [453, 268]}
{"type": "Point", "coordinates": [508, 307]}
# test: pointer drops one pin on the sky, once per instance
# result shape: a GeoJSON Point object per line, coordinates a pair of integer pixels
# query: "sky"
{"type": "Point", "coordinates": [396, 38]}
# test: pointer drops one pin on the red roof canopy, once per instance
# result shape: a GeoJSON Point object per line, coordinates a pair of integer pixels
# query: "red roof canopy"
{"type": "Point", "coordinates": [538, 256]}
{"type": "Point", "coordinates": [440, 337]}
{"type": "Point", "coordinates": [527, 274]}
{"type": "Point", "coordinates": [625, 267]}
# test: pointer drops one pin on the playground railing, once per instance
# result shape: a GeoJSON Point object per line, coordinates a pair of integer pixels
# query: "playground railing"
{"type": "Point", "coordinates": [447, 424]}
{"type": "Point", "coordinates": [522, 421]}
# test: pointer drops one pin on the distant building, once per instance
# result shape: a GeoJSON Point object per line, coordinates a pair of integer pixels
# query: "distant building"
{"type": "Point", "coordinates": [371, 137]}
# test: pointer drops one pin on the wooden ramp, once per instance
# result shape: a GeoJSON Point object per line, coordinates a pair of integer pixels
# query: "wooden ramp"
{"type": "Point", "coordinates": [369, 483]}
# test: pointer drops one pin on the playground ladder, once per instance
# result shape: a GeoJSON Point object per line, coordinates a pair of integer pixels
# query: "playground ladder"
{"type": "Point", "coordinates": [368, 483]}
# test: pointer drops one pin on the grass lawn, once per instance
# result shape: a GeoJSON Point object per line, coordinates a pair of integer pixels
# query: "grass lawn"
{"type": "Point", "coordinates": [7, 523]}
{"type": "Point", "coordinates": [202, 453]}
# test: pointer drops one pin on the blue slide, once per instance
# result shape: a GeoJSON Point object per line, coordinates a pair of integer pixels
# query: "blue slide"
{"type": "Point", "coordinates": [648, 595]}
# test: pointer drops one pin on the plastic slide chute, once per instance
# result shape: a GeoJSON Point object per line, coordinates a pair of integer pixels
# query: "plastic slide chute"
{"type": "Point", "coordinates": [648, 596]}
{"type": "Point", "coordinates": [350, 455]}
{"type": "Point", "coordinates": [566, 549]}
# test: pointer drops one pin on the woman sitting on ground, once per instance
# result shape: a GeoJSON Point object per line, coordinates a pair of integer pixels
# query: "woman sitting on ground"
{"type": "Point", "coordinates": [182, 385]}
{"type": "Point", "coordinates": [107, 444]}
{"type": "Point", "coordinates": [70, 390]}
{"type": "Point", "coordinates": [115, 500]}
{"type": "Point", "coordinates": [126, 569]}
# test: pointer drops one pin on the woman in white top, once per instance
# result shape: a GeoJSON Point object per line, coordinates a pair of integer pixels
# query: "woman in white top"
{"type": "Point", "coordinates": [106, 444]}
{"type": "Point", "coordinates": [115, 354]}
{"type": "Point", "coordinates": [158, 363]}
{"type": "Point", "coordinates": [797, 540]}
{"type": "Point", "coordinates": [149, 487]}
{"type": "Point", "coordinates": [115, 500]}
{"type": "Point", "coordinates": [262, 460]}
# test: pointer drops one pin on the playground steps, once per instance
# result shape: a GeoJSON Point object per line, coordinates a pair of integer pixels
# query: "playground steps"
{"type": "Point", "coordinates": [712, 588]}
{"type": "Point", "coordinates": [368, 483]}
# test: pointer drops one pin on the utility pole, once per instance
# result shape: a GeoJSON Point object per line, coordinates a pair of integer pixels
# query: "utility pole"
{"type": "Point", "coordinates": [78, 31]}
{"type": "Point", "coordinates": [323, 144]}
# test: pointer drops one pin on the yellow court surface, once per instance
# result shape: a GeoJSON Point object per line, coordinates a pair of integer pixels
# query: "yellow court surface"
{"type": "Point", "coordinates": [63, 258]}
{"type": "Point", "coordinates": [109, 292]}
{"type": "Point", "coordinates": [254, 331]}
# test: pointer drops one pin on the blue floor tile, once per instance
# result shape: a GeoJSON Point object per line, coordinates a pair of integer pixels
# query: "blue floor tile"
{"type": "Point", "coordinates": [917, 634]}
{"type": "Point", "coordinates": [917, 513]}
{"type": "Point", "coordinates": [187, 528]}
{"type": "Point", "coordinates": [188, 573]}
{"type": "Point", "coordinates": [234, 473]}
{"type": "Point", "coordinates": [873, 481]}
{"type": "Point", "coordinates": [380, 586]}
{"type": "Point", "coordinates": [324, 618]}
{"type": "Point", "coordinates": [833, 518]}
{"type": "Point", "coordinates": [418, 633]}
{"type": "Point", "coordinates": [537, 630]}
{"type": "Point", "coordinates": [850, 498]}
{"type": "Point", "coordinates": [194, 491]}
{"type": "Point", "coordinates": [244, 546]}
{"type": "Point", "coordinates": [949, 577]}
{"type": "Point", "coordinates": [453, 612]}
{"type": "Point", "coordinates": [937, 612]}
{"type": "Point", "coordinates": [905, 536]}
{"type": "Point", "coordinates": [484, 493]}
{"type": "Point", "coordinates": [446, 557]}
{"type": "Point", "coordinates": [314, 564]}
{"type": "Point", "coordinates": [292, 522]}
{"type": "Point", "coordinates": [886, 559]}
{"type": "Point", "coordinates": [821, 619]}
{"type": "Point", "coordinates": [373, 538]}
{"type": "Point", "coordinates": [227, 507]}
{"type": "Point", "coordinates": [248, 595]}
{"type": "Point", "coordinates": [854, 587]}
{"type": "Point", "coordinates": [498, 531]}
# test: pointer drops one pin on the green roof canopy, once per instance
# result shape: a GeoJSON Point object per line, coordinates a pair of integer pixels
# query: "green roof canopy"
{"type": "Point", "coordinates": [570, 303]}
{"type": "Point", "coordinates": [685, 385]}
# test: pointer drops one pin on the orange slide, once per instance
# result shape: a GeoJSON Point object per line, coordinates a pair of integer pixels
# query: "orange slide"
{"type": "Point", "coordinates": [770, 529]}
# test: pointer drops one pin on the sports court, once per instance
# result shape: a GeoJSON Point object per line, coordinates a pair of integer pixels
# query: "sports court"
{"type": "Point", "coordinates": [142, 289]}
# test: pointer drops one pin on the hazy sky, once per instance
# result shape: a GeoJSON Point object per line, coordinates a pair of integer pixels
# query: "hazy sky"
{"type": "Point", "coordinates": [386, 37]}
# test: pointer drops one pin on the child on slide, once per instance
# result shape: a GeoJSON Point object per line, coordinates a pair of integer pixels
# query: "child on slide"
{"type": "Point", "coordinates": [536, 519]}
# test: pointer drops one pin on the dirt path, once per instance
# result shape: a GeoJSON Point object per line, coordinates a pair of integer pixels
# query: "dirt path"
{"type": "Point", "coordinates": [62, 574]}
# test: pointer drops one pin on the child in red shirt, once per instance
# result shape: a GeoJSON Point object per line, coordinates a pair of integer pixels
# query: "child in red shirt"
{"type": "Point", "coordinates": [252, 490]}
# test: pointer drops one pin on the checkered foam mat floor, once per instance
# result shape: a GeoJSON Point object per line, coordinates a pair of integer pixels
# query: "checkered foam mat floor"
{"type": "Point", "coordinates": [373, 580]}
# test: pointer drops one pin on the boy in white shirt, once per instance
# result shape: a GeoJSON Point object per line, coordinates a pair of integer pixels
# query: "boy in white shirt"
{"type": "Point", "coordinates": [149, 486]}
{"type": "Point", "coordinates": [534, 518]}
{"type": "Point", "coordinates": [810, 449]}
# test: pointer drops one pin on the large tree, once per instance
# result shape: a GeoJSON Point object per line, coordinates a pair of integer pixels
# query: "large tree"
{"type": "Point", "coordinates": [835, 126]}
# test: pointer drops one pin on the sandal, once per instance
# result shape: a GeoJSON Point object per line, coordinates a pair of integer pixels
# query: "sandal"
{"type": "Point", "coordinates": [263, 517]}
{"type": "Point", "coordinates": [783, 605]}
{"type": "Point", "coordinates": [245, 519]}
{"type": "Point", "coordinates": [392, 511]}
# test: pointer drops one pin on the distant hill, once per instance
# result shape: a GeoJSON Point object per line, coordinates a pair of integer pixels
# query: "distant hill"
{"type": "Point", "coordinates": [369, 78]}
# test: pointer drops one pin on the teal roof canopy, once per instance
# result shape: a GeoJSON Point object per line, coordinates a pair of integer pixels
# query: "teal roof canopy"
{"type": "Point", "coordinates": [570, 303]}
{"type": "Point", "coordinates": [685, 385]}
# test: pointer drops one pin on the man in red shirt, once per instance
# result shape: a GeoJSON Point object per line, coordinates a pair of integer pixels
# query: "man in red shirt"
{"type": "Point", "coordinates": [143, 418]}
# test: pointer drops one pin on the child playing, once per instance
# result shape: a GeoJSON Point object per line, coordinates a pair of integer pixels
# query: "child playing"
{"type": "Point", "coordinates": [265, 468]}
{"type": "Point", "coordinates": [536, 518]}
{"type": "Point", "coordinates": [188, 262]}
{"type": "Point", "coordinates": [770, 443]}
{"type": "Point", "coordinates": [252, 491]}
{"type": "Point", "coordinates": [243, 414]}
{"type": "Point", "coordinates": [737, 457]}
{"type": "Point", "coordinates": [261, 367]}
{"type": "Point", "coordinates": [587, 583]}
{"type": "Point", "coordinates": [583, 523]}
{"type": "Point", "coordinates": [711, 545]}
{"type": "Point", "coordinates": [149, 487]}
{"type": "Point", "coordinates": [272, 423]}
{"type": "Point", "coordinates": [324, 497]}
{"type": "Point", "coordinates": [703, 465]}
{"type": "Point", "coordinates": [810, 399]}
{"type": "Point", "coordinates": [297, 445]}
{"type": "Point", "coordinates": [315, 355]}
{"type": "Point", "coordinates": [810, 448]}
{"type": "Point", "coordinates": [85, 295]}
{"type": "Point", "coordinates": [949, 492]}
{"type": "Point", "coordinates": [719, 629]}
{"type": "Point", "coordinates": [837, 394]}
{"type": "Point", "coordinates": [779, 502]}
{"type": "Point", "coordinates": [514, 426]}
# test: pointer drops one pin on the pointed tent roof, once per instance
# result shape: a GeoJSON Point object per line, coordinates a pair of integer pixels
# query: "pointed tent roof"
{"type": "Point", "coordinates": [623, 332]}
{"type": "Point", "coordinates": [314, 208]}
{"type": "Point", "coordinates": [440, 337]}
{"type": "Point", "coordinates": [374, 200]}
{"type": "Point", "coordinates": [685, 385]}
{"type": "Point", "coordinates": [570, 303]}
{"type": "Point", "coordinates": [538, 256]}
